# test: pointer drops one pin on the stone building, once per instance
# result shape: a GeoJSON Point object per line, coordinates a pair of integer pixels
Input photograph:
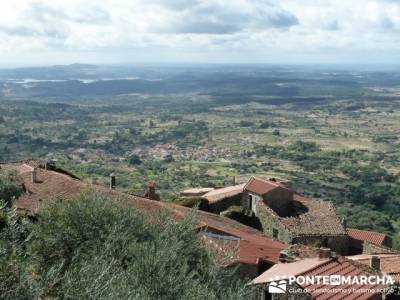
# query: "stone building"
{"type": "Point", "coordinates": [291, 218]}
{"type": "Point", "coordinates": [361, 241]}
{"type": "Point", "coordinates": [222, 198]}
{"type": "Point", "coordinates": [274, 195]}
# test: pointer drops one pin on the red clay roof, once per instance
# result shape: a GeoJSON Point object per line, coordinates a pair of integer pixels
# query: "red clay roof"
{"type": "Point", "coordinates": [343, 267]}
{"type": "Point", "coordinates": [223, 193]}
{"type": "Point", "coordinates": [254, 245]}
{"type": "Point", "coordinates": [389, 263]}
{"type": "Point", "coordinates": [260, 186]}
{"type": "Point", "coordinates": [284, 270]}
{"type": "Point", "coordinates": [314, 267]}
{"type": "Point", "coordinates": [376, 238]}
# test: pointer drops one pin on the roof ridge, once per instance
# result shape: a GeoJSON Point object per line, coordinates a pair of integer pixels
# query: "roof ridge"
{"type": "Point", "coordinates": [248, 182]}
{"type": "Point", "coordinates": [267, 181]}
{"type": "Point", "coordinates": [363, 230]}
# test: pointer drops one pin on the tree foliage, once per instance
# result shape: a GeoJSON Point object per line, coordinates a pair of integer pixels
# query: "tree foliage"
{"type": "Point", "coordinates": [98, 248]}
{"type": "Point", "coordinates": [9, 186]}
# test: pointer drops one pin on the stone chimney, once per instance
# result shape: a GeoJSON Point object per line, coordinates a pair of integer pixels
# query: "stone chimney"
{"type": "Point", "coordinates": [112, 181]}
{"type": "Point", "coordinates": [151, 191]}
{"type": "Point", "coordinates": [34, 175]}
{"type": "Point", "coordinates": [375, 262]}
{"type": "Point", "coordinates": [286, 257]}
{"type": "Point", "coordinates": [324, 253]}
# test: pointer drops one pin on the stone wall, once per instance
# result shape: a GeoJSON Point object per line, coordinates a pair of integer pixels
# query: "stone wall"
{"type": "Point", "coordinates": [271, 224]}
{"type": "Point", "coordinates": [246, 200]}
{"type": "Point", "coordinates": [273, 228]}
{"type": "Point", "coordinates": [279, 200]}
{"type": "Point", "coordinates": [337, 243]}
{"type": "Point", "coordinates": [369, 248]}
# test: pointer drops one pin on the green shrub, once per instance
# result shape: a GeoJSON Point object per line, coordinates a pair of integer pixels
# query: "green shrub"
{"type": "Point", "coordinates": [134, 160]}
{"type": "Point", "coordinates": [304, 146]}
{"type": "Point", "coordinates": [96, 247]}
{"type": "Point", "coordinates": [9, 186]}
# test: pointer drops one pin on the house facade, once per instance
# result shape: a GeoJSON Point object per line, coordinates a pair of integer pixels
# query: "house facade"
{"type": "Point", "coordinates": [291, 218]}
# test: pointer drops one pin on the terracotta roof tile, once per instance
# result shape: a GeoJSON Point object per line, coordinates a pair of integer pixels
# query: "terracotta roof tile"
{"type": "Point", "coordinates": [223, 193]}
{"type": "Point", "coordinates": [197, 191]}
{"type": "Point", "coordinates": [253, 245]}
{"type": "Point", "coordinates": [289, 269]}
{"type": "Point", "coordinates": [315, 267]}
{"type": "Point", "coordinates": [389, 263]}
{"type": "Point", "coordinates": [376, 238]}
{"type": "Point", "coordinates": [261, 187]}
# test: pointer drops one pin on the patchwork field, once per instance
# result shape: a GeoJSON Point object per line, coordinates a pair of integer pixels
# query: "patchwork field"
{"type": "Point", "coordinates": [333, 139]}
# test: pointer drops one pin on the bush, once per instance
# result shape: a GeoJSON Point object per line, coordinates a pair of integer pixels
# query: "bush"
{"type": "Point", "coordinates": [301, 146]}
{"type": "Point", "coordinates": [9, 186]}
{"type": "Point", "coordinates": [245, 123]}
{"type": "Point", "coordinates": [96, 247]}
{"type": "Point", "coordinates": [276, 132]}
{"type": "Point", "coordinates": [134, 160]}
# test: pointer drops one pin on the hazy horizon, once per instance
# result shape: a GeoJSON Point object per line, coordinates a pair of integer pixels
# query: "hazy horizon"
{"type": "Point", "coordinates": [177, 64]}
{"type": "Point", "coordinates": [44, 32]}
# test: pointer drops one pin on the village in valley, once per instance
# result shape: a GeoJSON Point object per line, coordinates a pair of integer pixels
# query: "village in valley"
{"type": "Point", "coordinates": [200, 150]}
{"type": "Point", "coordinates": [269, 189]}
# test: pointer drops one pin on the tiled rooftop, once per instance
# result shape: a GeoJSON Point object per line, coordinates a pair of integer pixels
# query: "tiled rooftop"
{"type": "Point", "coordinates": [316, 267]}
{"type": "Point", "coordinates": [253, 245]}
{"type": "Point", "coordinates": [373, 237]}
{"type": "Point", "coordinates": [197, 191]}
{"type": "Point", "coordinates": [319, 218]}
{"type": "Point", "coordinates": [289, 269]}
{"type": "Point", "coordinates": [223, 193]}
{"type": "Point", "coordinates": [260, 186]}
{"type": "Point", "coordinates": [389, 263]}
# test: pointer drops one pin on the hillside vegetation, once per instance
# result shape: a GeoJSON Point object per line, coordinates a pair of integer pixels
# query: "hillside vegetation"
{"type": "Point", "coordinates": [332, 133]}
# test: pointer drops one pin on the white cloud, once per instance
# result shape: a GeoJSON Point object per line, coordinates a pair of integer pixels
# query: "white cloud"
{"type": "Point", "coordinates": [210, 30]}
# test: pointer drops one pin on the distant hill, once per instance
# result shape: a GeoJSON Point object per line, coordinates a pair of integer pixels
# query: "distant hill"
{"type": "Point", "coordinates": [230, 83]}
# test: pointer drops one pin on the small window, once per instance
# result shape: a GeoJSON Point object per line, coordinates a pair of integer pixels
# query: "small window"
{"type": "Point", "coordinates": [275, 233]}
{"type": "Point", "coordinates": [250, 203]}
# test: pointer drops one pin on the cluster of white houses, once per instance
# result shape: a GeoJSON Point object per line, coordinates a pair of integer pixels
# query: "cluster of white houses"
{"type": "Point", "coordinates": [299, 236]}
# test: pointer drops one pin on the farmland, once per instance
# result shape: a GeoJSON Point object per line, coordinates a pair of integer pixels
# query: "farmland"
{"type": "Point", "coordinates": [333, 134]}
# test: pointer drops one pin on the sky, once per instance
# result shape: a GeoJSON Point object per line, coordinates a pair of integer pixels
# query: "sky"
{"type": "Point", "coordinates": [46, 32]}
